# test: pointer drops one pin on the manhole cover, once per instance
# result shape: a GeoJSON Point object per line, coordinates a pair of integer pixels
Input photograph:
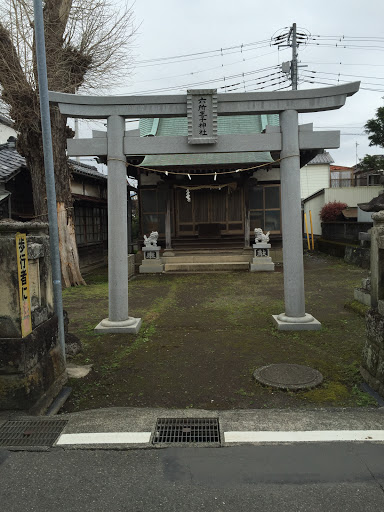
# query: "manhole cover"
{"type": "Point", "coordinates": [288, 376]}
{"type": "Point", "coordinates": [31, 432]}
{"type": "Point", "coordinates": [187, 430]}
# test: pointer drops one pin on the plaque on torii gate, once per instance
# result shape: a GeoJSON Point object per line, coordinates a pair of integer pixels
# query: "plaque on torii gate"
{"type": "Point", "coordinates": [288, 138]}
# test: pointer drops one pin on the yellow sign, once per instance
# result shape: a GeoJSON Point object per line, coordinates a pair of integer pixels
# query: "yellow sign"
{"type": "Point", "coordinates": [25, 298]}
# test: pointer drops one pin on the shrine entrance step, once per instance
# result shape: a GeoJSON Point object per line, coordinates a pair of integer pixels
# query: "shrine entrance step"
{"type": "Point", "coordinates": [207, 260]}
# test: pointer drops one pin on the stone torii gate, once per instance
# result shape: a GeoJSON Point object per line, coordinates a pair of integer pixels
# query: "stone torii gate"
{"type": "Point", "coordinates": [202, 107]}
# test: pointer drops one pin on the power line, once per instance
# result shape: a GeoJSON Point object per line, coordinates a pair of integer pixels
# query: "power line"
{"type": "Point", "coordinates": [336, 79]}
{"type": "Point", "coordinates": [217, 50]}
{"type": "Point", "coordinates": [333, 83]}
{"type": "Point", "coordinates": [345, 74]}
{"type": "Point", "coordinates": [348, 47]}
{"type": "Point", "coordinates": [201, 57]}
{"type": "Point", "coordinates": [209, 69]}
{"type": "Point", "coordinates": [342, 64]}
{"type": "Point", "coordinates": [205, 82]}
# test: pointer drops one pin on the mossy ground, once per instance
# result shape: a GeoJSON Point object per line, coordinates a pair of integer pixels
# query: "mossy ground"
{"type": "Point", "coordinates": [203, 335]}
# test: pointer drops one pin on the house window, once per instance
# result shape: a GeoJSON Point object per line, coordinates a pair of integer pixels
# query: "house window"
{"type": "Point", "coordinates": [90, 224]}
{"type": "Point", "coordinates": [264, 205]}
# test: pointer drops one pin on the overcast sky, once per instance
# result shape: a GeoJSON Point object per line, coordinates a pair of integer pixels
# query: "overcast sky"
{"type": "Point", "coordinates": [171, 28]}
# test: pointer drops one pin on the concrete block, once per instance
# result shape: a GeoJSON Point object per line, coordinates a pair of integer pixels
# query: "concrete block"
{"type": "Point", "coordinates": [262, 267]}
{"type": "Point", "coordinates": [313, 325]}
{"type": "Point", "coordinates": [362, 296]}
{"type": "Point", "coordinates": [151, 267]}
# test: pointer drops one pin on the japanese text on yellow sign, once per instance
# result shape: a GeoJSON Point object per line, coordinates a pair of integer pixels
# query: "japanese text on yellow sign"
{"type": "Point", "coordinates": [25, 298]}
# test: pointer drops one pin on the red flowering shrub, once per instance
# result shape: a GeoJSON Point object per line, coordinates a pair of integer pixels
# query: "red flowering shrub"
{"type": "Point", "coordinates": [332, 211]}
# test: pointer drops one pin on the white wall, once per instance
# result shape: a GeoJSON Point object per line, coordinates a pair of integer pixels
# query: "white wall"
{"type": "Point", "coordinates": [313, 178]}
{"type": "Point", "coordinates": [352, 195]}
{"type": "Point", "coordinates": [364, 216]}
{"type": "Point", "coordinates": [314, 205]}
{"type": "Point", "coordinates": [6, 132]}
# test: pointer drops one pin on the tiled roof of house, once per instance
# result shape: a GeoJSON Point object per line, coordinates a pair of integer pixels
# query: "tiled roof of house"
{"type": "Point", "coordinates": [11, 162]}
{"type": "Point", "coordinates": [321, 159]}
{"type": "Point", "coordinates": [5, 120]}
{"type": "Point", "coordinates": [340, 168]}
{"type": "Point", "coordinates": [85, 169]}
{"type": "Point", "coordinates": [225, 125]}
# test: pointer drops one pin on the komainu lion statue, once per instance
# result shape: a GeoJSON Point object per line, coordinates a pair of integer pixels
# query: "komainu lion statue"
{"type": "Point", "coordinates": [151, 239]}
{"type": "Point", "coordinates": [260, 236]}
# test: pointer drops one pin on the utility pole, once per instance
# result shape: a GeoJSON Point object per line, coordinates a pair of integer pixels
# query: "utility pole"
{"type": "Point", "coordinates": [291, 67]}
{"type": "Point", "coordinates": [49, 169]}
{"type": "Point", "coordinates": [294, 57]}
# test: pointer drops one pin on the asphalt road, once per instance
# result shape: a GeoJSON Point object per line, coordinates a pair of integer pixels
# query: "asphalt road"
{"type": "Point", "coordinates": [301, 477]}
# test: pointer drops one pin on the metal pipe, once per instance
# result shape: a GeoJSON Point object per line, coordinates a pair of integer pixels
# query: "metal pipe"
{"type": "Point", "coordinates": [310, 218]}
{"type": "Point", "coordinates": [49, 170]}
{"type": "Point", "coordinates": [306, 229]}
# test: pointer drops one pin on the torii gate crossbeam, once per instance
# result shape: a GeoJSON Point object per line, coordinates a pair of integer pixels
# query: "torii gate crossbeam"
{"type": "Point", "coordinates": [288, 139]}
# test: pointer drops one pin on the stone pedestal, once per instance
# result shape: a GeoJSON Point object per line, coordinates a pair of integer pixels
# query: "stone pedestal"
{"type": "Point", "coordinates": [363, 294]}
{"type": "Point", "coordinates": [152, 263]}
{"type": "Point", "coordinates": [32, 369]}
{"type": "Point", "coordinates": [129, 326]}
{"type": "Point", "coordinates": [262, 262]}
{"type": "Point", "coordinates": [296, 323]}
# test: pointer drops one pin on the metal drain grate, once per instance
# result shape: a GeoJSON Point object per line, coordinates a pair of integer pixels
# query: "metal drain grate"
{"type": "Point", "coordinates": [31, 432]}
{"type": "Point", "coordinates": [187, 430]}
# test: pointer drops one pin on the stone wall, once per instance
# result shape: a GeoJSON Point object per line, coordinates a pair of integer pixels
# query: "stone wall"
{"type": "Point", "coordinates": [131, 265]}
{"type": "Point", "coordinates": [32, 369]}
{"type": "Point", "coordinates": [343, 231]}
{"type": "Point", "coordinates": [372, 366]}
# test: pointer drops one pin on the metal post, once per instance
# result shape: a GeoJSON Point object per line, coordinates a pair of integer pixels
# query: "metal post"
{"type": "Point", "coordinates": [49, 170]}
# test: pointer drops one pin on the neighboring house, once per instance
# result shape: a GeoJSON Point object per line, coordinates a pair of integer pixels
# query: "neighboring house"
{"type": "Point", "coordinates": [89, 191]}
{"type": "Point", "coordinates": [367, 178]}
{"type": "Point", "coordinates": [342, 176]}
{"type": "Point", "coordinates": [352, 196]}
{"type": "Point", "coordinates": [216, 198]}
{"type": "Point", "coordinates": [6, 129]}
{"type": "Point", "coordinates": [316, 174]}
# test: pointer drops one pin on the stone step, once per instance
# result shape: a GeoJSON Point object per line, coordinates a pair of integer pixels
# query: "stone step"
{"type": "Point", "coordinates": [206, 267]}
{"type": "Point", "coordinates": [207, 258]}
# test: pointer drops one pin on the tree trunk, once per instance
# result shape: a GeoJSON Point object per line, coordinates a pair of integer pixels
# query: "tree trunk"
{"type": "Point", "coordinates": [69, 257]}
{"type": "Point", "coordinates": [30, 145]}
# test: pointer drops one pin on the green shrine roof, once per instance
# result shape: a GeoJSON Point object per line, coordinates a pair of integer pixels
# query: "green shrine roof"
{"type": "Point", "coordinates": [225, 125]}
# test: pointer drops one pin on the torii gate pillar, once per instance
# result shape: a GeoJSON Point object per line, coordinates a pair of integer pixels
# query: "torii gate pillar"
{"type": "Point", "coordinates": [118, 319]}
{"type": "Point", "coordinates": [294, 318]}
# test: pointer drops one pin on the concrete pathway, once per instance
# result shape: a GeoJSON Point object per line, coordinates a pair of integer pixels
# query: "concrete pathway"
{"type": "Point", "coordinates": [126, 428]}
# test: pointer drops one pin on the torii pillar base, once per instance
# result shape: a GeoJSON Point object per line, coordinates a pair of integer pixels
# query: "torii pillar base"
{"type": "Point", "coordinates": [292, 323]}
{"type": "Point", "coordinates": [129, 326]}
